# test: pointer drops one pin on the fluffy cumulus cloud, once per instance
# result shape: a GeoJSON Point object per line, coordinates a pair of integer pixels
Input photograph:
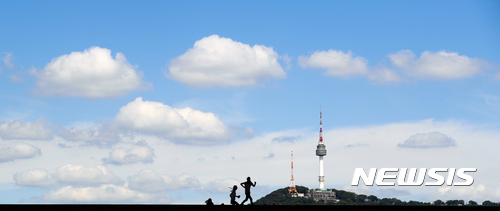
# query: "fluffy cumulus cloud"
{"type": "Point", "coordinates": [221, 62]}
{"type": "Point", "coordinates": [93, 73]}
{"type": "Point", "coordinates": [102, 194]}
{"type": "Point", "coordinates": [30, 130]}
{"type": "Point", "coordinates": [182, 125]}
{"type": "Point", "coordinates": [89, 134]}
{"type": "Point", "coordinates": [441, 65]}
{"type": "Point", "coordinates": [34, 177]}
{"type": "Point", "coordinates": [221, 185]}
{"type": "Point", "coordinates": [136, 154]}
{"type": "Point", "coordinates": [426, 140]}
{"type": "Point", "coordinates": [68, 174]}
{"type": "Point", "coordinates": [81, 175]}
{"type": "Point", "coordinates": [336, 63]}
{"type": "Point", "coordinates": [10, 152]}
{"type": "Point", "coordinates": [150, 181]}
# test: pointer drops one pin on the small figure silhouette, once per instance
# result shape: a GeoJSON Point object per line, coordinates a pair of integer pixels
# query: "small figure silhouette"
{"type": "Point", "coordinates": [247, 185]}
{"type": "Point", "coordinates": [209, 201]}
{"type": "Point", "coordinates": [233, 196]}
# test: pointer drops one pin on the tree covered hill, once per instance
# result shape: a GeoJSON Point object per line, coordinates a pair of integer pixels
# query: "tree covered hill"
{"type": "Point", "coordinates": [281, 197]}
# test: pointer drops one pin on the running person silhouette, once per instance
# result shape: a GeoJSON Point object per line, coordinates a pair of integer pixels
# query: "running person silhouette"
{"type": "Point", "coordinates": [247, 185]}
{"type": "Point", "coordinates": [233, 196]}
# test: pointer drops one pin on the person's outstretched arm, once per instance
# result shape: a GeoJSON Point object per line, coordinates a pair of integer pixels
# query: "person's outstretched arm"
{"type": "Point", "coordinates": [254, 183]}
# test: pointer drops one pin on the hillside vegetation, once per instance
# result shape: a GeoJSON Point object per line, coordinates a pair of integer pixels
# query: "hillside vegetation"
{"type": "Point", "coordinates": [281, 197]}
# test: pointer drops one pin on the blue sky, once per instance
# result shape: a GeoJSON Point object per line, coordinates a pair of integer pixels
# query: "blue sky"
{"type": "Point", "coordinates": [191, 92]}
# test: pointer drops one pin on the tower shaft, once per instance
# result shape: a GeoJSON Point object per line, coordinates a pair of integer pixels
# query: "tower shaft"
{"type": "Point", "coordinates": [321, 173]}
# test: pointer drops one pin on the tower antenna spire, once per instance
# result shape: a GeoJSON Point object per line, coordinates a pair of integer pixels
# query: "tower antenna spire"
{"type": "Point", "coordinates": [320, 125]}
{"type": "Point", "coordinates": [292, 190]}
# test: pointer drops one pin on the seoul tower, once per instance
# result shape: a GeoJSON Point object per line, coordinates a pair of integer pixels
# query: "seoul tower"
{"type": "Point", "coordinates": [321, 151]}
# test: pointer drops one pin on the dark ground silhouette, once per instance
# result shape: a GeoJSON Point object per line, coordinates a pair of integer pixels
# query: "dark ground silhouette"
{"type": "Point", "coordinates": [209, 201]}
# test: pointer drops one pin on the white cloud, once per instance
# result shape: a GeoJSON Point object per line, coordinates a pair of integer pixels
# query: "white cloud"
{"type": "Point", "coordinates": [425, 140]}
{"type": "Point", "coordinates": [491, 100]}
{"type": "Point", "coordinates": [402, 59]}
{"type": "Point", "coordinates": [120, 156]}
{"type": "Point", "coordinates": [10, 152]}
{"type": "Point", "coordinates": [286, 138]}
{"type": "Point", "coordinates": [221, 185]}
{"type": "Point", "coordinates": [186, 181]}
{"type": "Point", "coordinates": [183, 125]}
{"type": "Point", "coordinates": [385, 75]}
{"type": "Point", "coordinates": [102, 194]}
{"type": "Point", "coordinates": [16, 78]}
{"type": "Point", "coordinates": [336, 63]}
{"type": "Point", "coordinates": [81, 175]}
{"type": "Point", "coordinates": [271, 155]}
{"type": "Point", "coordinates": [357, 145]}
{"type": "Point", "coordinates": [249, 132]}
{"type": "Point", "coordinates": [89, 134]}
{"type": "Point", "coordinates": [30, 130]}
{"type": "Point", "coordinates": [476, 192]}
{"type": "Point", "coordinates": [7, 60]}
{"type": "Point", "coordinates": [287, 60]}
{"type": "Point", "coordinates": [150, 181]}
{"type": "Point", "coordinates": [380, 150]}
{"type": "Point", "coordinates": [68, 174]}
{"type": "Point", "coordinates": [441, 65]}
{"type": "Point", "coordinates": [34, 177]}
{"type": "Point", "coordinates": [93, 73]}
{"type": "Point", "coordinates": [221, 62]}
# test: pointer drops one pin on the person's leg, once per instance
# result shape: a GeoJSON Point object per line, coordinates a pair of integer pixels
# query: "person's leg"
{"type": "Point", "coordinates": [247, 196]}
{"type": "Point", "coordinates": [251, 201]}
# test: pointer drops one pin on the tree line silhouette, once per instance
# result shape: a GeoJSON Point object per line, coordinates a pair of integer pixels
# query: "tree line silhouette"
{"type": "Point", "coordinates": [281, 197]}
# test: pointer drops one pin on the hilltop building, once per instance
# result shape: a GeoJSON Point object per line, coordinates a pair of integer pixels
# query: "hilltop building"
{"type": "Point", "coordinates": [325, 195]}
